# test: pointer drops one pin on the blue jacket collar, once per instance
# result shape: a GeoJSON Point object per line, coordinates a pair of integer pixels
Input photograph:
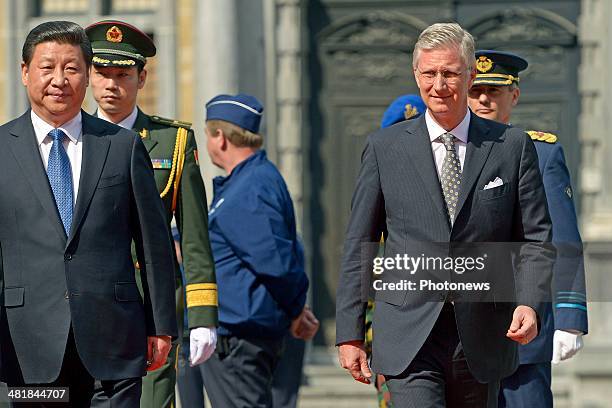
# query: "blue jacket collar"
{"type": "Point", "coordinates": [255, 158]}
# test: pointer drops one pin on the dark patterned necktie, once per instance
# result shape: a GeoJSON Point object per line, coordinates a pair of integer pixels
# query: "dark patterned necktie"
{"type": "Point", "coordinates": [60, 178]}
{"type": "Point", "coordinates": [450, 177]}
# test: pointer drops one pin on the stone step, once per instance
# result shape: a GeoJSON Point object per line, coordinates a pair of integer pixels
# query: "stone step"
{"type": "Point", "coordinates": [318, 375]}
{"type": "Point", "coordinates": [337, 403]}
{"type": "Point", "coordinates": [327, 385]}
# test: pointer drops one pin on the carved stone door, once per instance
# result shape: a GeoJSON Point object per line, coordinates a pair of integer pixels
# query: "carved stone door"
{"type": "Point", "coordinates": [546, 37]}
{"type": "Point", "coordinates": [360, 60]}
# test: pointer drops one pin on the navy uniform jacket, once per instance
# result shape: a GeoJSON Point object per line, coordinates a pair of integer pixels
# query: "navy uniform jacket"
{"type": "Point", "coordinates": [258, 259]}
{"type": "Point", "coordinates": [568, 310]}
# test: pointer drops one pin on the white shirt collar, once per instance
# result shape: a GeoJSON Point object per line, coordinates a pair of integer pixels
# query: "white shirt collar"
{"type": "Point", "coordinates": [460, 131]}
{"type": "Point", "coordinates": [73, 128]}
{"type": "Point", "coordinates": [127, 123]}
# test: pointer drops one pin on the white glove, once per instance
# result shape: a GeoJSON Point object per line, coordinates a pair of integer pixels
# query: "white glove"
{"type": "Point", "coordinates": [565, 345]}
{"type": "Point", "coordinates": [202, 343]}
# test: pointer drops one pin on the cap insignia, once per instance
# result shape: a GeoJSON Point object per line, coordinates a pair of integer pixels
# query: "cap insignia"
{"type": "Point", "coordinates": [114, 35]}
{"type": "Point", "coordinates": [484, 64]}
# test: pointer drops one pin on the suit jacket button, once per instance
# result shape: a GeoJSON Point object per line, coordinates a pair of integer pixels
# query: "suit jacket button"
{"type": "Point", "coordinates": [66, 295]}
{"type": "Point", "coordinates": [68, 257]}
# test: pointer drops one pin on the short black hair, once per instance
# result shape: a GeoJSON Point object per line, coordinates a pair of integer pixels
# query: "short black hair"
{"type": "Point", "coordinates": [63, 32]}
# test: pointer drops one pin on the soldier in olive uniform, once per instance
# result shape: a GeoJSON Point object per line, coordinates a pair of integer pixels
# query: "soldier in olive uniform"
{"type": "Point", "coordinates": [120, 52]}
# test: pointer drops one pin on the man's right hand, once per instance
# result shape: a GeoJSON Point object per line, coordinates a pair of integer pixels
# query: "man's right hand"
{"type": "Point", "coordinates": [305, 325]}
{"type": "Point", "coordinates": [158, 348]}
{"type": "Point", "coordinates": [352, 356]}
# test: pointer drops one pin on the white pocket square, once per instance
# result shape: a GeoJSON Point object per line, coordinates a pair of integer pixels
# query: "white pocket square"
{"type": "Point", "coordinates": [495, 183]}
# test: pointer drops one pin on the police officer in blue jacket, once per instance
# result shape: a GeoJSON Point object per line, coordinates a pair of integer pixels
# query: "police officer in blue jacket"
{"type": "Point", "coordinates": [493, 95]}
{"type": "Point", "coordinates": [258, 259]}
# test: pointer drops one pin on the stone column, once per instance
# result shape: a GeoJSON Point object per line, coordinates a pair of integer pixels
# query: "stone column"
{"type": "Point", "coordinates": [284, 22]}
{"type": "Point", "coordinates": [17, 28]}
{"type": "Point", "coordinates": [590, 371]}
{"type": "Point", "coordinates": [285, 102]}
{"type": "Point", "coordinates": [5, 63]}
{"type": "Point", "coordinates": [216, 66]}
{"type": "Point", "coordinates": [185, 72]}
{"type": "Point", "coordinates": [595, 38]}
{"type": "Point", "coordinates": [165, 40]}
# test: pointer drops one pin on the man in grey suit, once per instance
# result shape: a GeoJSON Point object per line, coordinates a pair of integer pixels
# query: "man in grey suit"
{"type": "Point", "coordinates": [76, 191]}
{"type": "Point", "coordinates": [432, 185]}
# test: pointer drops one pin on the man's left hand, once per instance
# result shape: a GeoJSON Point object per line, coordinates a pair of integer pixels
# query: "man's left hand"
{"type": "Point", "coordinates": [524, 326]}
{"type": "Point", "coordinates": [565, 345]}
{"type": "Point", "coordinates": [202, 343]}
{"type": "Point", "coordinates": [158, 348]}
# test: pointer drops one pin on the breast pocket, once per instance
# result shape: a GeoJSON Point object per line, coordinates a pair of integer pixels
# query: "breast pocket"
{"type": "Point", "coordinates": [111, 181]}
{"type": "Point", "coordinates": [493, 193]}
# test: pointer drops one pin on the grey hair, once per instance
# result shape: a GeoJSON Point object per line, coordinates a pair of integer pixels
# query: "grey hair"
{"type": "Point", "coordinates": [445, 35]}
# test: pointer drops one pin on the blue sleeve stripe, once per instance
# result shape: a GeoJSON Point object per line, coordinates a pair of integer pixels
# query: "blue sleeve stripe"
{"type": "Point", "coordinates": [566, 297]}
{"type": "Point", "coordinates": [571, 293]}
{"type": "Point", "coordinates": [570, 306]}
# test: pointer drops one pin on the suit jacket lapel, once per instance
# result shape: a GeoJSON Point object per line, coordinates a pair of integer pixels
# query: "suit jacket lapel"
{"type": "Point", "coordinates": [478, 149]}
{"type": "Point", "coordinates": [418, 148]}
{"type": "Point", "coordinates": [25, 149]}
{"type": "Point", "coordinates": [143, 122]}
{"type": "Point", "coordinates": [95, 150]}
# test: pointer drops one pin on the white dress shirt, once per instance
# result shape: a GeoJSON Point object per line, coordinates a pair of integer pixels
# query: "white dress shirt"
{"type": "Point", "coordinates": [460, 132]}
{"type": "Point", "coordinates": [73, 144]}
{"type": "Point", "coordinates": [127, 123]}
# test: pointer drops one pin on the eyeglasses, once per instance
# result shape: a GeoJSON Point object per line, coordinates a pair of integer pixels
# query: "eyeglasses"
{"type": "Point", "coordinates": [450, 77]}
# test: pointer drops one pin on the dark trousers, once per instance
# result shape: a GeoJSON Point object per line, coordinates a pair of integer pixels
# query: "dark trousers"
{"type": "Point", "coordinates": [189, 379]}
{"type": "Point", "coordinates": [439, 377]}
{"type": "Point", "coordinates": [84, 390]}
{"type": "Point", "coordinates": [288, 375]}
{"type": "Point", "coordinates": [239, 373]}
{"type": "Point", "coordinates": [529, 386]}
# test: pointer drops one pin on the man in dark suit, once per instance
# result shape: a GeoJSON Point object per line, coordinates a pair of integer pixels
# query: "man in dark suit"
{"type": "Point", "coordinates": [493, 95]}
{"type": "Point", "coordinates": [76, 191]}
{"type": "Point", "coordinates": [431, 185]}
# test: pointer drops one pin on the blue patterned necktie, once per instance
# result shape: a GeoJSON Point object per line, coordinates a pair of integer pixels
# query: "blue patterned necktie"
{"type": "Point", "coordinates": [60, 178]}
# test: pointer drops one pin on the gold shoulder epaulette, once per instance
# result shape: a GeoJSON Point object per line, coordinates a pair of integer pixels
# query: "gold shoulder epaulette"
{"type": "Point", "coordinates": [171, 122]}
{"type": "Point", "coordinates": [542, 136]}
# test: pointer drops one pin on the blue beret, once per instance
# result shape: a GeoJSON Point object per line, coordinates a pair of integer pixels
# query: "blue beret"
{"type": "Point", "coordinates": [242, 110]}
{"type": "Point", "coordinates": [403, 108]}
{"type": "Point", "coordinates": [498, 67]}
